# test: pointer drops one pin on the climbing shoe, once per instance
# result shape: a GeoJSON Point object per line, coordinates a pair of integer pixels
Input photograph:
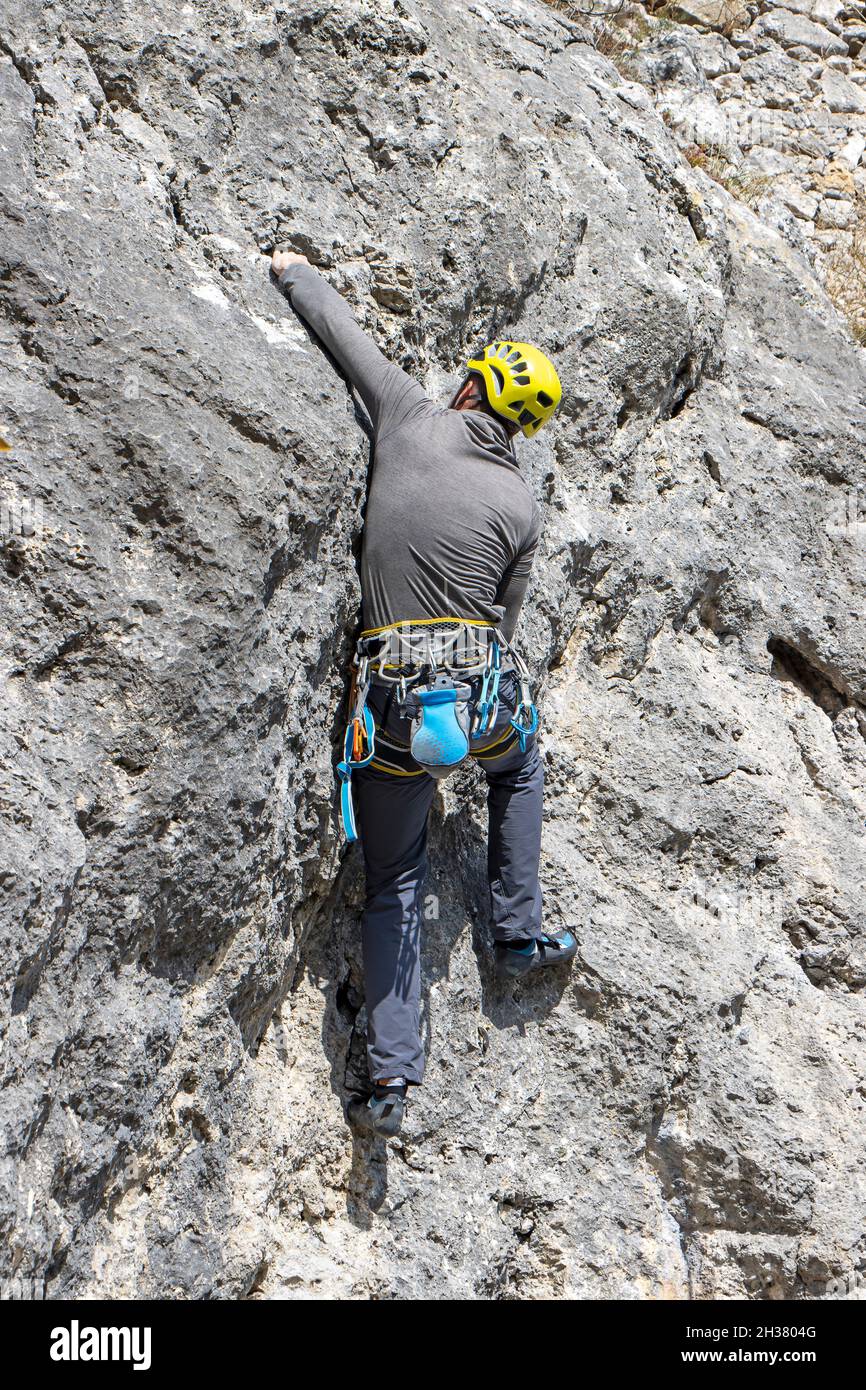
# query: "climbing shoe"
{"type": "Point", "coordinates": [551, 948]}
{"type": "Point", "coordinates": [381, 1113]}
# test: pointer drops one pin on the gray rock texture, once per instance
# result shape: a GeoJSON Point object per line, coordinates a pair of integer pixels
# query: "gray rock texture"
{"type": "Point", "coordinates": [775, 102]}
{"type": "Point", "coordinates": [683, 1116]}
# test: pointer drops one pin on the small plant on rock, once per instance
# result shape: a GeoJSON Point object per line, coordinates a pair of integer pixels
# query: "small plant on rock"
{"type": "Point", "coordinates": [747, 188]}
{"type": "Point", "coordinates": [615, 28]}
{"type": "Point", "coordinates": [846, 275]}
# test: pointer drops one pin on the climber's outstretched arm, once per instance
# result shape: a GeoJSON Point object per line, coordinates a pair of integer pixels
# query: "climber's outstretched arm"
{"type": "Point", "coordinates": [388, 393]}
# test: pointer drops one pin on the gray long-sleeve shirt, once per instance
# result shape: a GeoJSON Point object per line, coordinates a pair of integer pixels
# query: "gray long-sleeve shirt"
{"type": "Point", "coordinates": [451, 526]}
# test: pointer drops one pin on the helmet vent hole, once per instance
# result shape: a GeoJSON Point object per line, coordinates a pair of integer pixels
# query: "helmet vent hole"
{"type": "Point", "coordinates": [522, 380]}
{"type": "Point", "coordinates": [500, 379]}
{"type": "Point", "coordinates": [543, 398]}
{"type": "Point", "coordinates": [525, 417]}
{"type": "Point", "coordinates": [513, 356]}
{"type": "Point", "coordinates": [503, 350]}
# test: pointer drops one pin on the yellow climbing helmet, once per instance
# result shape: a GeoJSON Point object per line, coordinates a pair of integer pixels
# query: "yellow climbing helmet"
{"type": "Point", "coordinates": [521, 382]}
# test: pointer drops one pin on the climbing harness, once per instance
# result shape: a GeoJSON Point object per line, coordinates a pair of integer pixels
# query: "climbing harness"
{"type": "Point", "coordinates": [430, 664]}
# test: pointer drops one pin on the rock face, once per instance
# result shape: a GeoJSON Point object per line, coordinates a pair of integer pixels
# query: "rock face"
{"type": "Point", "coordinates": [683, 1115]}
{"type": "Point", "coordinates": [778, 98]}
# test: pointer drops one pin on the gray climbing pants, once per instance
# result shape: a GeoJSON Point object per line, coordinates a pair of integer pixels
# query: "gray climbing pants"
{"type": "Point", "coordinates": [393, 797]}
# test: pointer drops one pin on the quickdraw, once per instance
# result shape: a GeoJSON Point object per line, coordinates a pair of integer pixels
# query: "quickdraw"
{"type": "Point", "coordinates": [487, 705]}
{"type": "Point", "coordinates": [525, 717]}
{"type": "Point", "coordinates": [359, 745]}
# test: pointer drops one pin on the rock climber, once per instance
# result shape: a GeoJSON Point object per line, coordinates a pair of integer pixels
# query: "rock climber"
{"type": "Point", "coordinates": [450, 534]}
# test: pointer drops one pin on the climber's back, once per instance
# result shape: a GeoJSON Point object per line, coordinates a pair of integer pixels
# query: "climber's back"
{"type": "Point", "coordinates": [451, 526]}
